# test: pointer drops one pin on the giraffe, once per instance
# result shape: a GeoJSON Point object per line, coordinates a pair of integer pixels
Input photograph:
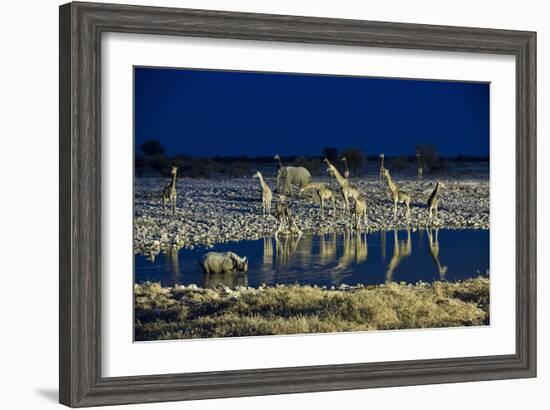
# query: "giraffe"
{"type": "Point", "coordinates": [398, 196]}
{"type": "Point", "coordinates": [283, 215]}
{"type": "Point", "coordinates": [433, 240]}
{"type": "Point", "coordinates": [360, 212]}
{"type": "Point", "coordinates": [401, 250]}
{"type": "Point", "coordinates": [266, 193]}
{"type": "Point", "coordinates": [419, 166]}
{"type": "Point", "coordinates": [323, 193]}
{"type": "Point", "coordinates": [281, 174]}
{"type": "Point", "coordinates": [279, 162]}
{"type": "Point", "coordinates": [169, 194]}
{"type": "Point", "coordinates": [346, 169]}
{"type": "Point", "coordinates": [433, 202]}
{"type": "Point", "coordinates": [382, 167]}
{"type": "Point", "coordinates": [347, 189]}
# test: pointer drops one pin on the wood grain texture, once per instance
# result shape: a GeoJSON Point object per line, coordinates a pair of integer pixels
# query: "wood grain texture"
{"type": "Point", "coordinates": [81, 25]}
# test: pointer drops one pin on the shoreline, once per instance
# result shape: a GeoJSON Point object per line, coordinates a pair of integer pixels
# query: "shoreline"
{"type": "Point", "coordinates": [182, 312]}
{"type": "Point", "coordinates": [212, 211]}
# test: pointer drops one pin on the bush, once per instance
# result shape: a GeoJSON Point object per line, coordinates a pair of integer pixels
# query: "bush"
{"type": "Point", "coordinates": [355, 159]}
{"type": "Point", "coordinates": [313, 165]}
{"type": "Point", "coordinates": [331, 154]}
{"type": "Point", "coordinates": [430, 157]}
{"type": "Point", "coordinates": [236, 169]}
{"type": "Point", "coordinates": [399, 163]}
{"type": "Point", "coordinates": [161, 164]}
{"type": "Point", "coordinates": [152, 148]}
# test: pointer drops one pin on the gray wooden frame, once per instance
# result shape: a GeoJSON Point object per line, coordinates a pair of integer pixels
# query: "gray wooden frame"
{"type": "Point", "coordinates": [81, 26]}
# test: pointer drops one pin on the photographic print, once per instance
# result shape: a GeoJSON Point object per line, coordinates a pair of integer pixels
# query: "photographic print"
{"type": "Point", "coordinates": [290, 203]}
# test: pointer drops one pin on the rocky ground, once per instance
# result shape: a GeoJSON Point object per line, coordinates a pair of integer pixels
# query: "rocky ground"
{"type": "Point", "coordinates": [212, 211]}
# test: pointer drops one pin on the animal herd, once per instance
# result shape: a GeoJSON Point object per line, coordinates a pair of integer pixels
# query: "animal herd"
{"type": "Point", "coordinates": [290, 176]}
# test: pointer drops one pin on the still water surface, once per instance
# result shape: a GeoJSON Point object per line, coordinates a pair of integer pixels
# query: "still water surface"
{"type": "Point", "coordinates": [333, 259]}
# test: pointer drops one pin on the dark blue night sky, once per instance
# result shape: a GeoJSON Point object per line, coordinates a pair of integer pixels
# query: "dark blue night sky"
{"type": "Point", "coordinates": [209, 113]}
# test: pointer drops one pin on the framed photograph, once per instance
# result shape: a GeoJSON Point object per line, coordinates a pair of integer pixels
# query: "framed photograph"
{"type": "Point", "coordinates": [262, 204]}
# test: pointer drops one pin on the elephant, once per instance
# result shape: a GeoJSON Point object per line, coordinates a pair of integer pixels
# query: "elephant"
{"type": "Point", "coordinates": [223, 262]}
{"type": "Point", "coordinates": [289, 176]}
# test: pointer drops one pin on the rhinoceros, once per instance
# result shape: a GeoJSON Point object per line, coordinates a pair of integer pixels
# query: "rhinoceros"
{"type": "Point", "coordinates": [222, 262]}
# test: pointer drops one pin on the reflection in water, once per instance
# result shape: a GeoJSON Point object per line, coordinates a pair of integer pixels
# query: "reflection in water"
{"type": "Point", "coordinates": [172, 262]}
{"type": "Point", "coordinates": [348, 254]}
{"type": "Point", "coordinates": [229, 279]}
{"type": "Point", "coordinates": [354, 250]}
{"type": "Point", "coordinates": [361, 247]}
{"type": "Point", "coordinates": [331, 259]}
{"type": "Point", "coordinates": [268, 251]}
{"type": "Point", "coordinates": [327, 247]}
{"type": "Point", "coordinates": [383, 246]}
{"type": "Point", "coordinates": [401, 250]}
{"type": "Point", "coordinates": [433, 240]}
{"type": "Point", "coordinates": [304, 248]}
{"type": "Point", "coordinates": [286, 248]}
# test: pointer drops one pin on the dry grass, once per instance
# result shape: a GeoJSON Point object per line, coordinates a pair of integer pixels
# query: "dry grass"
{"type": "Point", "coordinates": [190, 312]}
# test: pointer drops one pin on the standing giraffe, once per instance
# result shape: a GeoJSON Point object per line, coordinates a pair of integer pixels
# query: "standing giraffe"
{"type": "Point", "coordinates": [266, 193]}
{"type": "Point", "coordinates": [169, 194]}
{"type": "Point", "coordinates": [323, 193]}
{"type": "Point", "coordinates": [433, 202]}
{"type": "Point", "coordinates": [360, 212]}
{"type": "Point", "coordinates": [381, 167]}
{"type": "Point", "coordinates": [281, 174]}
{"type": "Point", "coordinates": [398, 196]}
{"type": "Point", "coordinates": [283, 215]}
{"type": "Point", "coordinates": [346, 170]}
{"type": "Point", "coordinates": [419, 166]}
{"type": "Point", "coordinates": [279, 162]}
{"type": "Point", "coordinates": [347, 189]}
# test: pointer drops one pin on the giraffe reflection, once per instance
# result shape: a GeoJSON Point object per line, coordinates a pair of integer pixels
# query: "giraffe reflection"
{"type": "Point", "coordinates": [401, 250]}
{"type": "Point", "coordinates": [286, 247]}
{"type": "Point", "coordinates": [173, 261]}
{"type": "Point", "coordinates": [361, 247]}
{"type": "Point", "coordinates": [382, 246]}
{"type": "Point", "coordinates": [327, 247]}
{"type": "Point", "coordinates": [433, 241]}
{"type": "Point", "coordinates": [354, 250]}
{"type": "Point", "coordinates": [268, 252]}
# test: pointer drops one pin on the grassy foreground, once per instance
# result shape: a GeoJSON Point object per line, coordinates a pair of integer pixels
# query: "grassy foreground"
{"type": "Point", "coordinates": [191, 312]}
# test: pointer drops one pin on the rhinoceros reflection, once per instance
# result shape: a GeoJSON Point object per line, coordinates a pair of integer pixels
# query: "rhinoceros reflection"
{"type": "Point", "coordinates": [229, 279]}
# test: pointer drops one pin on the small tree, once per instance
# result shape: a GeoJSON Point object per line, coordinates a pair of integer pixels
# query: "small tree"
{"type": "Point", "coordinates": [430, 157]}
{"type": "Point", "coordinates": [399, 163]}
{"type": "Point", "coordinates": [152, 148]}
{"type": "Point", "coordinates": [330, 153]}
{"type": "Point", "coordinates": [355, 159]}
{"type": "Point", "coordinates": [312, 164]}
